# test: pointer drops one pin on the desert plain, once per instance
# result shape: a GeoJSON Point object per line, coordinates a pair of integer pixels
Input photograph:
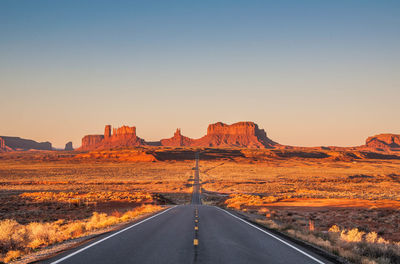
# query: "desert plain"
{"type": "Point", "coordinates": [349, 207]}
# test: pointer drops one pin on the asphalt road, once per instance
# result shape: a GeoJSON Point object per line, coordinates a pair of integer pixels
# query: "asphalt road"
{"type": "Point", "coordinates": [190, 234]}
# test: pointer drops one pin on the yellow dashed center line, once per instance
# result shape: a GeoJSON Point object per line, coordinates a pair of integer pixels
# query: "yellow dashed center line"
{"type": "Point", "coordinates": [196, 228]}
{"type": "Point", "coordinates": [195, 242]}
{"type": "Point", "coordinates": [196, 221]}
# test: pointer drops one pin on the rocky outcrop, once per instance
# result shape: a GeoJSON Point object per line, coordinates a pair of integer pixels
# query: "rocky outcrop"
{"type": "Point", "coordinates": [178, 140]}
{"type": "Point", "coordinates": [17, 143]}
{"type": "Point", "coordinates": [124, 136]}
{"type": "Point", "coordinates": [90, 142]}
{"type": "Point", "coordinates": [68, 146]}
{"type": "Point", "coordinates": [241, 134]}
{"type": "Point", "coordinates": [384, 142]}
{"type": "Point", "coordinates": [2, 145]}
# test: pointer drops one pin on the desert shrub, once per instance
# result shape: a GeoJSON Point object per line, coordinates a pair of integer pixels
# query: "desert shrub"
{"type": "Point", "coordinates": [12, 255]}
{"type": "Point", "coordinates": [42, 234]}
{"type": "Point", "coordinates": [334, 229]}
{"type": "Point", "coordinates": [238, 200]}
{"type": "Point", "coordinates": [353, 235]}
{"type": "Point", "coordinates": [74, 229]}
{"type": "Point", "coordinates": [12, 235]}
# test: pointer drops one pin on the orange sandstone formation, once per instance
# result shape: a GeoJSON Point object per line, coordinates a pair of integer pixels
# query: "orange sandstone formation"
{"type": "Point", "coordinates": [121, 137]}
{"type": "Point", "coordinates": [91, 142]}
{"type": "Point", "coordinates": [241, 134]}
{"type": "Point", "coordinates": [177, 140]}
{"type": "Point", "coordinates": [384, 142]}
{"type": "Point", "coordinates": [2, 145]}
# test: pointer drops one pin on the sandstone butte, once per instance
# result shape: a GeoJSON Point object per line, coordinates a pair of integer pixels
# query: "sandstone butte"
{"type": "Point", "coordinates": [17, 143]}
{"type": "Point", "coordinates": [68, 146]}
{"type": "Point", "coordinates": [241, 134]}
{"type": "Point", "coordinates": [384, 142]}
{"type": "Point", "coordinates": [124, 136]}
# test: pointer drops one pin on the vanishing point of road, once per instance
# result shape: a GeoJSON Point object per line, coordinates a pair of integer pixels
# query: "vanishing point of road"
{"type": "Point", "coordinates": [192, 233]}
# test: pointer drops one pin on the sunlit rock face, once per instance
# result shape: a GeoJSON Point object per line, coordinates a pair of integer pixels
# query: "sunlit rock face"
{"type": "Point", "coordinates": [178, 140]}
{"type": "Point", "coordinates": [384, 141]}
{"type": "Point", "coordinates": [241, 134]}
{"type": "Point", "coordinates": [124, 136]}
{"type": "Point", "coordinates": [91, 142]}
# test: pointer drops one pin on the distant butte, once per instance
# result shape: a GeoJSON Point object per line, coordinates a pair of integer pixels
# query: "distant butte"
{"type": "Point", "coordinates": [124, 136]}
{"type": "Point", "coordinates": [21, 144]}
{"type": "Point", "coordinates": [384, 142]}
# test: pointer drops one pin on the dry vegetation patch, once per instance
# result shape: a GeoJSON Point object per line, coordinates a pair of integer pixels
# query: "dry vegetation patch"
{"type": "Point", "coordinates": [18, 239]}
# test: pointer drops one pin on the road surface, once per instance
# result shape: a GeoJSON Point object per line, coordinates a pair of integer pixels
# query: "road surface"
{"type": "Point", "coordinates": [192, 233]}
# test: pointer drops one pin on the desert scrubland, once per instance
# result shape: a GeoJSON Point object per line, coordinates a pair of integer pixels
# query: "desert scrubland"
{"type": "Point", "coordinates": [348, 206]}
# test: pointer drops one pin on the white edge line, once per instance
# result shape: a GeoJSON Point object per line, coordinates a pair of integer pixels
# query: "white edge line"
{"type": "Point", "coordinates": [114, 234]}
{"type": "Point", "coordinates": [277, 238]}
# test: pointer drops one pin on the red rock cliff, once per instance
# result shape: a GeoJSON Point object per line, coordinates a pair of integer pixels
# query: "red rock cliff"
{"type": "Point", "coordinates": [241, 134]}
{"type": "Point", "coordinates": [91, 142]}
{"type": "Point", "coordinates": [384, 141]}
{"type": "Point", "coordinates": [2, 145]}
{"type": "Point", "coordinates": [124, 136]}
{"type": "Point", "coordinates": [178, 140]}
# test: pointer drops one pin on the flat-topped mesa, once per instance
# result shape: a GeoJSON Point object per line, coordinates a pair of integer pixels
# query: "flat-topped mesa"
{"type": "Point", "coordinates": [124, 136]}
{"type": "Point", "coordinates": [91, 142]}
{"type": "Point", "coordinates": [22, 144]}
{"type": "Point", "coordinates": [384, 141]}
{"type": "Point", "coordinates": [240, 128]}
{"type": "Point", "coordinates": [241, 134]}
{"type": "Point", "coordinates": [178, 140]}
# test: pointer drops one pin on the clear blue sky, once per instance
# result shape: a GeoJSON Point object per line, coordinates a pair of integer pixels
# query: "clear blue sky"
{"type": "Point", "coordinates": [308, 72]}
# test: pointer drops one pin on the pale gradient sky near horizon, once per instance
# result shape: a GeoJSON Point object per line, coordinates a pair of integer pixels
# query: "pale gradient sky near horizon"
{"type": "Point", "coordinates": [309, 72]}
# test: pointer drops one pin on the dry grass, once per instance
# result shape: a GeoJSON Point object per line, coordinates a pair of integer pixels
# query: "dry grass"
{"type": "Point", "coordinates": [305, 178]}
{"type": "Point", "coordinates": [68, 197]}
{"type": "Point", "coordinates": [17, 239]}
{"type": "Point", "coordinates": [354, 245]}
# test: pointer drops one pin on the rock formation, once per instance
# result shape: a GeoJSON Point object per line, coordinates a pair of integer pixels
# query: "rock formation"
{"type": "Point", "coordinates": [17, 143]}
{"type": "Point", "coordinates": [107, 131]}
{"type": "Point", "coordinates": [68, 146]}
{"type": "Point", "coordinates": [2, 145]}
{"type": "Point", "coordinates": [241, 134]}
{"type": "Point", "coordinates": [124, 136]}
{"type": "Point", "coordinates": [384, 142]}
{"type": "Point", "coordinates": [177, 140]}
{"type": "Point", "coordinates": [91, 142]}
